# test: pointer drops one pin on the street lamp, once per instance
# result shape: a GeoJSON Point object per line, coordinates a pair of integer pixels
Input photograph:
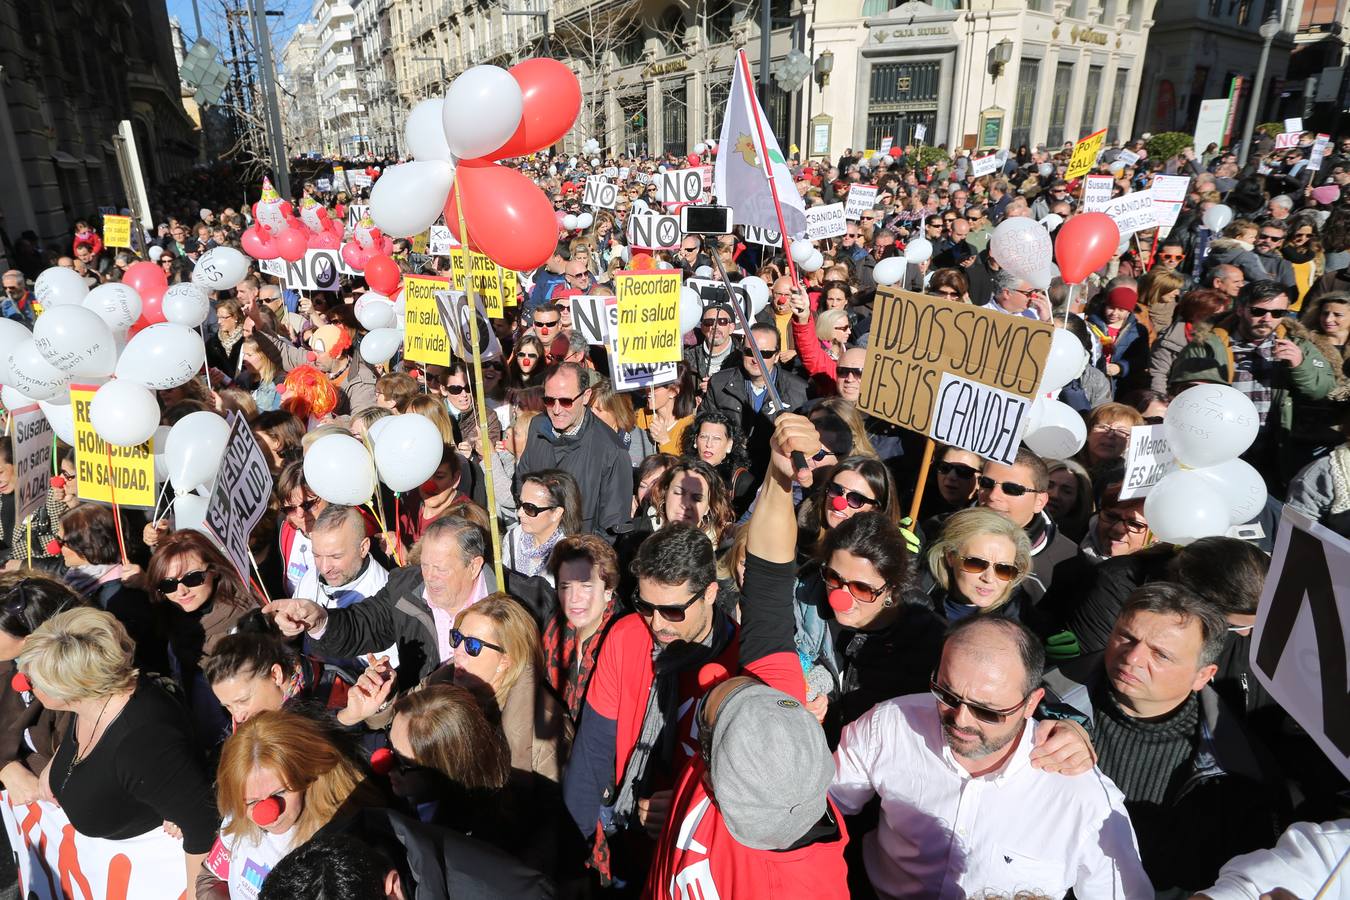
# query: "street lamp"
{"type": "Point", "coordinates": [1269, 28]}
{"type": "Point", "coordinates": [999, 55]}
{"type": "Point", "coordinates": [824, 66]}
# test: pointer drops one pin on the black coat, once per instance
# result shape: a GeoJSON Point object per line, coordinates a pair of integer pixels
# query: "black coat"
{"type": "Point", "coordinates": [598, 462]}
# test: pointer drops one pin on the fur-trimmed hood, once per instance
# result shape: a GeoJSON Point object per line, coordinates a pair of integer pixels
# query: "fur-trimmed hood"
{"type": "Point", "coordinates": [1337, 358]}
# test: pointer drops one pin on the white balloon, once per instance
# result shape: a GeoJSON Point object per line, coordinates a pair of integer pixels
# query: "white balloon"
{"type": "Point", "coordinates": [1241, 487]}
{"type": "Point", "coordinates": [13, 400]}
{"type": "Point", "coordinates": [380, 345]}
{"type": "Point", "coordinates": [1217, 217]}
{"type": "Point", "coordinates": [758, 289]}
{"type": "Point", "coordinates": [162, 356]}
{"type": "Point", "coordinates": [703, 272]}
{"type": "Point", "coordinates": [1052, 221]}
{"type": "Point", "coordinates": [409, 198]}
{"type": "Point", "coordinates": [1209, 424]}
{"type": "Point", "coordinates": [691, 309]}
{"type": "Point", "coordinates": [1046, 170]}
{"type": "Point", "coordinates": [1024, 249]}
{"type": "Point", "coordinates": [62, 419]}
{"type": "Point", "coordinates": [189, 512]}
{"type": "Point", "coordinates": [407, 451]}
{"type": "Point", "coordinates": [157, 443]}
{"type": "Point", "coordinates": [813, 262]}
{"type": "Point", "coordinates": [700, 147]}
{"type": "Point", "coordinates": [1062, 431]}
{"type": "Point", "coordinates": [186, 304]}
{"type": "Point", "coordinates": [75, 340]}
{"type": "Point", "coordinates": [482, 110]}
{"type": "Point", "coordinates": [374, 311]}
{"type": "Point", "coordinates": [595, 161]}
{"type": "Point", "coordinates": [569, 222]}
{"type": "Point", "coordinates": [338, 469]}
{"type": "Point", "coordinates": [1183, 507]}
{"type": "Point", "coordinates": [918, 250]}
{"type": "Point", "coordinates": [117, 304]}
{"type": "Point", "coordinates": [400, 310]}
{"type": "Point", "coordinates": [889, 270]}
{"type": "Point", "coordinates": [12, 334]}
{"type": "Point", "coordinates": [585, 220]}
{"type": "Point", "coordinates": [801, 250]}
{"type": "Point", "coordinates": [220, 268]}
{"type": "Point", "coordinates": [424, 131]}
{"type": "Point", "coordinates": [58, 286]}
{"type": "Point", "coordinates": [1064, 362]}
{"type": "Point", "coordinates": [124, 413]}
{"type": "Point", "coordinates": [194, 448]}
{"type": "Point", "coordinates": [32, 375]}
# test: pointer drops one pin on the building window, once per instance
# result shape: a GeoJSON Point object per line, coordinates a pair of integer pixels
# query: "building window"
{"type": "Point", "coordinates": [1244, 12]}
{"type": "Point", "coordinates": [631, 51]}
{"type": "Point", "coordinates": [672, 30]}
{"type": "Point", "coordinates": [675, 121]}
{"type": "Point", "coordinates": [1091, 93]}
{"type": "Point", "coordinates": [634, 110]}
{"type": "Point", "coordinates": [718, 94]}
{"type": "Point", "coordinates": [1037, 5]}
{"type": "Point", "coordinates": [1078, 9]}
{"type": "Point", "coordinates": [1059, 104]}
{"type": "Point", "coordinates": [720, 17]}
{"type": "Point", "coordinates": [1024, 103]}
{"type": "Point", "coordinates": [1117, 105]}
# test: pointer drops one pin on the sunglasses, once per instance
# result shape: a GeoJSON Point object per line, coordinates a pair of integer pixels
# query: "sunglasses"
{"type": "Point", "coordinates": [672, 614]}
{"type": "Point", "coordinates": [749, 353]}
{"type": "Point", "coordinates": [855, 499]}
{"type": "Point", "coordinates": [1011, 488]}
{"type": "Point", "coordinates": [842, 372]}
{"type": "Point", "coordinates": [1172, 257]}
{"type": "Point", "coordinates": [960, 470]}
{"type": "Point", "coordinates": [1270, 237]}
{"type": "Point", "coordinates": [949, 293]}
{"type": "Point", "coordinates": [546, 325]}
{"type": "Point", "coordinates": [709, 323]}
{"type": "Point", "coordinates": [985, 714]}
{"type": "Point", "coordinates": [529, 356]}
{"type": "Point", "coordinates": [564, 402]}
{"type": "Point", "coordinates": [1264, 312]}
{"type": "Point", "coordinates": [304, 507]}
{"type": "Point", "coordinates": [860, 590]}
{"type": "Point", "coordinates": [1110, 518]}
{"type": "Point", "coordinates": [455, 390]}
{"type": "Point", "coordinates": [977, 565]}
{"type": "Point", "coordinates": [533, 509]}
{"type": "Point", "coordinates": [193, 579]}
{"type": "Point", "coordinates": [472, 645]}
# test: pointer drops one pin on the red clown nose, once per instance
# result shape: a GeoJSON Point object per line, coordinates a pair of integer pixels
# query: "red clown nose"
{"type": "Point", "coordinates": [382, 761]}
{"type": "Point", "coordinates": [58, 481]}
{"type": "Point", "coordinates": [840, 600]}
{"type": "Point", "coordinates": [20, 683]}
{"type": "Point", "coordinates": [267, 811]}
{"type": "Point", "coordinates": [838, 503]}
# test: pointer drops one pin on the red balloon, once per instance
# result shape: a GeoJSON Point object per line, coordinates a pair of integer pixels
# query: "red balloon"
{"type": "Point", "coordinates": [694, 159]}
{"type": "Point", "coordinates": [382, 274]}
{"type": "Point", "coordinates": [896, 152]}
{"type": "Point", "coordinates": [1084, 244]}
{"type": "Point", "coordinates": [151, 313]}
{"type": "Point", "coordinates": [509, 218]}
{"type": "Point", "coordinates": [257, 242]}
{"type": "Point", "coordinates": [145, 278]}
{"type": "Point", "coordinates": [552, 97]}
{"type": "Point", "coordinates": [291, 244]}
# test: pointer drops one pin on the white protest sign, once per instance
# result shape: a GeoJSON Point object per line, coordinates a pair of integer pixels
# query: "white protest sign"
{"type": "Point", "coordinates": [886, 144]}
{"type": "Point", "coordinates": [633, 376]}
{"type": "Point", "coordinates": [1288, 140]}
{"type": "Point", "coordinates": [275, 267]}
{"type": "Point", "coordinates": [643, 178]}
{"type": "Point", "coordinates": [1132, 212]}
{"type": "Point", "coordinates": [1209, 125]}
{"type": "Point", "coordinates": [1170, 188]}
{"type": "Point", "coordinates": [680, 186]}
{"type": "Point", "coordinates": [861, 198]}
{"type": "Point", "coordinates": [920, 132]}
{"type": "Point", "coordinates": [32, 435]}
{"type": "Point", "coordinates": [1319, 151]}
{"type": "Point", "coordinates": [453, 307]}
{"type": "Point", "coordinates": [653, 232]}
{"type": "Point", "coordinates": [1294, 124]}
{"type": "Point", "coordinates": [599, 193]}
{"type": "Point", "coordinates": [325, 185]}
{"type": "Point", "coordinates": [754, 234]}
{"type": "Point", "coordinates": [623, 173]}
{"type": "Point", "coordinates": [995, 432]}
{"type": "Point", "coordinates": [1097, 192]}
{"type": "Point", "coordinates": [440, 241]}
{"type": "Point", "coordinates": [825, 221]}
{"type": "Point", "coordinates": [359, 179]}
{"type": "Point", "coordinates": [981, 166]}
{"type": "Point", "coordinates": [317, 270]}
{"type": "Point", "coordinates": [356, 212]}
{"type": "Point", "coordinates": [590, 317]}
{"type": "Point", "coordinates": [52, 856]}
{"type": "Point", "coordinates": [1127, 157]}
{"type": "Point", "coordinates": [712, 291]}
{"type": "Point", "coordinates": [1302, 629]}
{"type": "Point", "coordinates": [240, 495]}
{"type": "Point", "coordinates": [611, 172]}
{"type": "Point", "coordinates": [1147, 460]}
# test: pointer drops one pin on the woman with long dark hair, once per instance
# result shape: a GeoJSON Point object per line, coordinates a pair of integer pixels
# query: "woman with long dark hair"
{"type": "Point", "coordinates": [716, 439]}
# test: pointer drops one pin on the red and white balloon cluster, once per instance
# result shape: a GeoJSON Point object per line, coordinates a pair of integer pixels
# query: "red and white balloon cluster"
{"type": "Point", "coordinates": [488, 114]}
{"type": "Point", "coordinates": [276, 233]}
{"type": "Point", "coordinates": [324, 231]}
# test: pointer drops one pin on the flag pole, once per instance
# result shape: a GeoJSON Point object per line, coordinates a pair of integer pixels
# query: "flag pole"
{"type": "Point", "coordinates": [766, 163]}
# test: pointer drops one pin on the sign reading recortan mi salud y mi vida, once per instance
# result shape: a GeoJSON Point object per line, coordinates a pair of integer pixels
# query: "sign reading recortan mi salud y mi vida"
{"type": "Point", "coordinates": [649, 316]}
{"type": "Point", "coordinates": [1085, 154]}
{"type": "Point", "coordinates": [962, 375]}
{"type": "Point", "coordinates": [424, 338]}
{"type": "Point", "coordinates": [106, 472]}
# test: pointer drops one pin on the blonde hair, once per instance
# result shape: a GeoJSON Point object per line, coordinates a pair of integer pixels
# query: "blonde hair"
{"type": "Point", "coordinates": [267, 371]}
{"type": "Point", "coordinates": [967, 524]}
{"type": "Point", "coordinates": [434, 409]}
{"type": "Point", "coordinates": [322, 431]}
{"type": "Point", "coordinates": [516, 632]}
{"type": "Point", "coordinates": [80, 654]}
{"type": "Point", "coordinates": [826, 322]}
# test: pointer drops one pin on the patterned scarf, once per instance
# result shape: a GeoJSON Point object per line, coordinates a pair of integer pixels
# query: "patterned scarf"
{"type": "Point", "coordinates": [567, 665]}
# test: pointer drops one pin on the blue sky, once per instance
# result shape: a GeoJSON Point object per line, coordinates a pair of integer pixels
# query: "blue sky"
{"type": "Point", "coordinates": [213, 18]}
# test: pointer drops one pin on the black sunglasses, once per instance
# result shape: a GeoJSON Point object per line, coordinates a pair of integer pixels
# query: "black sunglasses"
{"type": "Point", "coordinates": [860, 590]}
{"type": "Point", "coordinates": [986, 714]}
{"type": "Point", "coordinates": [709, 323]}
{"type": "Point", "coordinates": [749, 352]}
{"type": "Point", "coordinates": [472, 645]}
{"type": "Point", "coordinates": [672, 614]}
{"type": "Point", "coordinates": [531, 509]}
{"type": "Point", "coordinates": [1011, 488]}
{"type": "Point", "coordinates": [842, 372]}
{"type": "Point", "coordinates": [564, 402]}
{"type": "Point", "coordinates": [553, 324]}
{"type": "Point", "coordinates": [193, 579]}
{"type": "Point", "coordinates": [304, 506]}
{"type": "Point", "coordinates": [855, 499]}
{"type": "Point", "coordinates": [959, 469]}
{"type": "Point", "coordinates": [455, 390]}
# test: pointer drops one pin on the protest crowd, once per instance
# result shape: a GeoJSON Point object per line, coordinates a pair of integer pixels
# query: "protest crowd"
{"type": "Point", "coordinates": [513, 616]}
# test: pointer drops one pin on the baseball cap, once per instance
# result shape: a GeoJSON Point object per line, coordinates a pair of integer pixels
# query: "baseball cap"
{"type": "Point", "coordinates": [770, 767]}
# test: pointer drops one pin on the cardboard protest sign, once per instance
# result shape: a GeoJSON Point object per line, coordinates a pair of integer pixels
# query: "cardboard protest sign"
{"type": "Point", "coordinates": [981, 166]}
{"type": "Point", "coordinates": [485, 281]}
{"type": "Point", "coordinates": [117, 231]}
{"type": "Point", "coordinates": [453, 309]}
{"type": "Point", "coordinates": [1097, 192]}
{"type": "Point", "coordinates": [754, 234]}
{"type": "Point", "coordinates": [920, 132]}
{"type": "Point", "coordinates": [1319, 151]}
{"type": "Point", "coordinates": [317, 270]}
{"type": "Point", "coordinates": [1302, 629]}
{"type": "Point", "coordinates": [961, 374]}
{"type": "Point", "coordinates": [653, 232]}
{"type": "Point", "coordinates": [56, 862]}
{"type": "Point", "coordinates": [1170, 188]}
{"type": "Point", "coordinates": [340, 180]}
{"type": "Point", "coordinates": [32, 436]}
{"type": "Point", "coordinates": [711, 290]}
{"type": "Point", "coordinates": [1294, 124]}
{"type": "Point", "coordinates": [1211, 122]}
{"type": "Point", "coordinates": [359, 180]}
{"type": "Point", "coordinates": [1132, 212]}
{"type": "Point", "coordinates": [599, 193]}
{"type": "Point", "coordinates": [240, 495]}
{"type": "Point", "coordinates": [825, 221]}
{"type": "Point", "coordinates": [1286, 141]}
{"type": "Point", "coordinates": [1147, 459]}
{"type": "Point", "coordinates": [886, 144]}
{"type": "Point", "coordinates": [679, 186]}
{"type": "Point", "coordinates": [274, 267]}
{"type": "Point", "coordinates": [424, 337]}
{"type": "Point", "coordinates": [861, 198]}
{"type": "Point", "coordinates": [649, 316]}
{"type": "Point", "coordinates": [611, 171]}
{"type": "Point", "coordinates": [106, 472]}
{"type": "Point", "coordinates": [1085, 155]}
{"type": "Point", "coordinates": [1127, 157]}
{"type": "Point", "coordinates": [356, 212]}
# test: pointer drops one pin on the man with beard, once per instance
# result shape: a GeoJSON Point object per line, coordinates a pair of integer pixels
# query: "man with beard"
{"type": "Point", "coordinates": [957, 785]}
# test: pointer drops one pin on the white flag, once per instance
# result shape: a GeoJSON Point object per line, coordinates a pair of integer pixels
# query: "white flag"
{"type": "Point", "coordinates": [740, 177]}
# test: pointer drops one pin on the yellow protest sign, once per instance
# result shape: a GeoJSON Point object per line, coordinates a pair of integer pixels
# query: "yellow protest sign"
{"type": "Point", "coordinates": [424, 338]}
{"type": "Point", "coordinates": [420, 242]}
{"type": "Point", "coordinates": [117, 231]}
{"type": "Point", "coordinates": [961, 374]}
{"type": "Point", "coordinates": [649, 317]}
{"type": "Point", "coordinates": [1085, 155]}
{"type": "Point", "coordinates": [107, 473]}
{"type": "Point", "coordinates": [510, 286]}
{"type": "Point", "coordinates": [868, 154]}
{"type": "Point", "coordinates": [485, 282]}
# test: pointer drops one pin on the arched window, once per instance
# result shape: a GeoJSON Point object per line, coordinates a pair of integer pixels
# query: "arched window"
{"type": "Point", "coordinates": [671, 30]}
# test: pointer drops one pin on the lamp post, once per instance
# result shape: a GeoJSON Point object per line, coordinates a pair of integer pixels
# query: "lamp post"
{"type": "Point", "coordinates": [824, 66]}
{"type": "Point", "coordinates": [999, 54]}
{"type": "Point", "coordinates": [1269, 28]}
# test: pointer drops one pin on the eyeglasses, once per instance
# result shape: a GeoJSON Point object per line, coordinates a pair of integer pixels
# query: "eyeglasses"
{"type": "Point", "coordinates": [193, 579]}
{"type": "Point", "coordinates": [749, 352]}
{"type": "Point", "coordinates": [950, 293]}
{"type": "Point", "coordinates": [455, 390]}
{"type": "Point", "coordinates": [302, 507]}
{"type": "Point", "coordinates": [855, 499]}
{"type": "Point", "coordinates": [1172, 257]}
{"type": "Point", "coordinates": [1011, 488]}
{"type": "Point", "coordinates": [960, 470]}
{"type": "Point", "coordinates": [673, 614]}
{"type": "Point", "coordinates": [978, 565]}
{"type": "Point", "coordinates": [1110, 518]}
{"type": "Point", "coordinates": [1265, 312]}
{"type": "Point", "coordinates": [1270, 237]}
{"type": "Point", "coordinates": [985, 714]}
{"type": "Point", "coordinates": [547, 325]}
{"type": "Point", "coordinates": [1116, 430]}
{"type": "Point", "coordinates": [859, 590]}
{"type": "Point", "coordinates": [472, 645]}
{"type": "Point", "coordinates": [719, 322]}
{"type": "Point", "coordinates": [533, 509]}
{"type": "Point", "coordinates": [564, 402]}
{"type": "Point", "coordinates": [842, 372]}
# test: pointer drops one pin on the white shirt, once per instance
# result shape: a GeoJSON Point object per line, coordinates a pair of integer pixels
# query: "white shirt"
{"type": "Point", "coordinates": [946, 834]}
{"type": "Point", "coordinates": [251, 861]}
{"type": "Point", "coordinates": [367, 583]}
{"type": "Point", "coordinates": [1299, 862]}
{"type": "Point", "coordinates": [302, 576]}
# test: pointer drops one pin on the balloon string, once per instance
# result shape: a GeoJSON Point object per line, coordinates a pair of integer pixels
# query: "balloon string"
{"type": "Point", "coordinates": [55, 470]}
{"type": "Point", "coordinates": [117, 511]}
{"type": "Point", "coordinates": [262, 588]}
{"type": "Point", "coordinates": [397, 520]}
{"type": "Point", "coordinates": [163, 492]}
